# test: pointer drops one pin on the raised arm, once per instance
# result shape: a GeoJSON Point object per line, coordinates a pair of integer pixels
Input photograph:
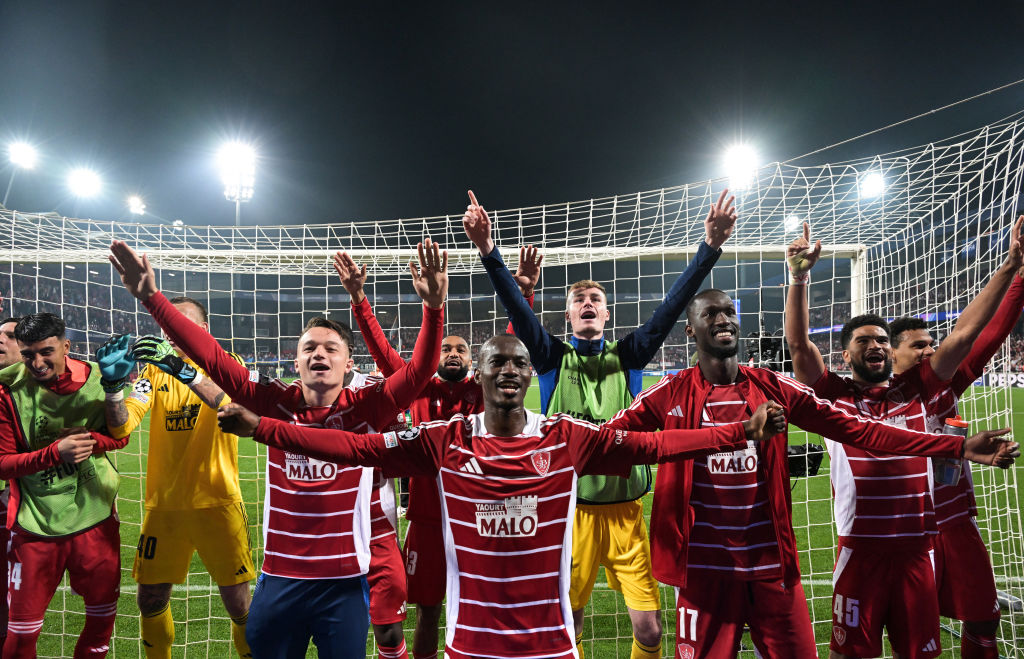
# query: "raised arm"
{"type": "Point", "coordinates": [807, 362]}
{"type": "Point", "coordinates": [545, 350]}
{"type": "Point", "coordinates": [993, 336]}
{"type": "Point", "coordinates": [353, 278]}
{"type": "Point", "coordinates": [154, 350]}
{"type": "Point", "coordinates": [957, 346]}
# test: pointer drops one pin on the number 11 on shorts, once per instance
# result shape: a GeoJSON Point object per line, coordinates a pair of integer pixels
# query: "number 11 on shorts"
{"type": "Point", "coordinates": [682, 626]}
{"type": "Point", "coordinates": [852, 611]}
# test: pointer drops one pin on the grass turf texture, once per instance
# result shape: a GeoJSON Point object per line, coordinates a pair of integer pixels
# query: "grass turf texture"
{"type": "Point", "coordinates": [607, 630]}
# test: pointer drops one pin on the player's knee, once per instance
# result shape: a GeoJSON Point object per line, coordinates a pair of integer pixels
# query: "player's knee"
{"type": "Point", "coordinates": [236, 599]}
{"type": "Point", "coordinates": [152, 598]}
{"type": "Point", "coordinates": [388, 635]}
{"type": "Point", "coordinates": [647, 629]}
{"type": "Point", "coordinates": [428, 615]}
{"type": "Point", "coordinates": [983, 627]}
{"type": "Point", "coordinates": [577, 618]}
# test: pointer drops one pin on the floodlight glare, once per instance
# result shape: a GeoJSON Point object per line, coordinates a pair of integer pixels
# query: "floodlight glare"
{"type": "Point", "coordinates": [136, 206]}
{"type": "Point", "coordinates": [84, 182]}
{"type": "Point", "coordinates": [740, 165]}
{"type": "Point", "coordinates": [178, 225]}
{"type": "Point", "coordinates": [793, 223]}
{"type": "Point", "coordinates": [22, 155]}
{"type": "Point", "coordinates": [237, 164]}
{"type": "Point", "coordinates": [871, 185]}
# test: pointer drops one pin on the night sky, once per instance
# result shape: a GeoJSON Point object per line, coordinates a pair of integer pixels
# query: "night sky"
{"type": "Point", "coordinates": [383, 110]}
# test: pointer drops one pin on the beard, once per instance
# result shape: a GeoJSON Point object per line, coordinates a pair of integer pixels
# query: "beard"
{"type": "Point", "coordinates": [452, 376]}
{"type": "Point", "coordinates": [868, 375]}
{"type": "Point", "coordinates": [723, 352]}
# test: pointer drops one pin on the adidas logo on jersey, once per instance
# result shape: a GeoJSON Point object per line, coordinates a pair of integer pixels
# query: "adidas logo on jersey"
{"type": "Point", "coordinates": [676, 411]}
{"type": "Point", "coordinates": [471, 467]}
{"type": "Point", "coordinates": [931, 647]}
{"type": "Point", "coordinates": [164, 387]}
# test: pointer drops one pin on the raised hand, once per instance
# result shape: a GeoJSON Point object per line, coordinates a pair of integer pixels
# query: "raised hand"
{"type": "Point", "coordinates": [799, 255]}
{"type": "Point", "coordinates": [136, 272]}
{"type": "Point", "coordinates": [353, 277]}
{"type": "Point", "coordinates": [768, 420]}
{"type": "Point", "coordinates": [720, 221]}
{"type": "Point", "coordinates": [158, 352]}
{"type": "Point", "coordinates": [236, 420]}
{"type": "Point", "coordinates": [1015, 254]}
{"type": "Point", "coordinates": [116, 362]}
{"type": "Point", "coordinates": [75, 445]}
{"type": "Point", "coordinates": [528, 270]}
{"type": "Point", "coordinates": [478, 226]}
{"type": "Point", "coordinates": [430, 279]}
{"type": "Point", "coordinates": [992, 447]}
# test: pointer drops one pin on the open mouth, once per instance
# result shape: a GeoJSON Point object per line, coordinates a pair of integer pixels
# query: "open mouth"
{"type": "Point", "coordinates": [589, 314]}
{"type": "Point", "coordinates": [453, 363]}
{"type": "Point", "coordinates": [875, 359]}
{"type": "Point", "coordinates": [726, 334]}
{"type": "Point", "coordinates": [510, 387]}
{"type": "Point", "coordinates": [319, 366]}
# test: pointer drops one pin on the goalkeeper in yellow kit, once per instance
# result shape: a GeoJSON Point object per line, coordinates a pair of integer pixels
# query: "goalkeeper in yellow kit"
{"type": "Point", "coordinates": [193, 502]}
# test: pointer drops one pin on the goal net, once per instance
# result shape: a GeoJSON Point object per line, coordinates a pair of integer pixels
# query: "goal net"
{"type": "Point", "coordinates": [917, 232]}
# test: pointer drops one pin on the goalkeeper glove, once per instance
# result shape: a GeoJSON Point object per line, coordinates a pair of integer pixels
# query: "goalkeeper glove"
{"type": "Point", "coordinates": [156, 351]}
{"type": "Point", "coordinates": [116, 363]}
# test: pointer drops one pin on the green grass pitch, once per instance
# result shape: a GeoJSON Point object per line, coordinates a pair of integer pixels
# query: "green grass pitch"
{"type": "Point", "coordinates": [607, 629]}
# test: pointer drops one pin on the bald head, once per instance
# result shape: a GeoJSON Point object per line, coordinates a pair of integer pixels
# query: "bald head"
{"type": "Point", "coordinates": [455, 360]}
{"type": "Point", "coordinates": [503, 372]}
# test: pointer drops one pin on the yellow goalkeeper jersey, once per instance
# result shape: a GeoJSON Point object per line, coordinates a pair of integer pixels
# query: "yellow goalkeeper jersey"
{"type": "Point", "coordinates": [191, 463]}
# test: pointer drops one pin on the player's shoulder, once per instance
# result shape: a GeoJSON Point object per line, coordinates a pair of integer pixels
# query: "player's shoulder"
{"type": "Point", "coordinates": [558, 421]}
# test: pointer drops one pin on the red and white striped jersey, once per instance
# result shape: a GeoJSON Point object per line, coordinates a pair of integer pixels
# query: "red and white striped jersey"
{"type": "Point", "coordinates": [886, 498]}
{"type": "Point", "coordinates": [732, 530]}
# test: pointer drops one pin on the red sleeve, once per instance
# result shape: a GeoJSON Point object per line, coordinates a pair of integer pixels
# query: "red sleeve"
{"type": "Point", "coordinates": [225, 370]}
{"type": "Point", "coordinates": [829, 386]}
{"type": "Point", "coordinates": [648, 410]}
{"type": "Point", "coordinates": [604, 450]}
{"type": "Point", "coordinates": [808, 412]}
{"type": "Point", "coordinates": [929, 381]}
{"type": "Point", "coordinates": [413, 452]}
{"type": "Point", "coordinates": [384, 355]}
{"type": "Point", "coordinates": [509, 329]}
{"type": "Point", "coordinates": [402, 388]}
{"type": "Point", "coordinates": [991, 338]}
{"type": "Point", "coordinates": [106, 443]}
{"type": "Point", "coordinates": [13, 463]}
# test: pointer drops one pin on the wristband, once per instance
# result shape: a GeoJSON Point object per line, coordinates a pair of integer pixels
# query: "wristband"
{"type": "Point", "coordinates": [801, 279]}
{"type": "Point", "coordinates": [114, 396]}
{"type": "Point", "coordinates": [196, 380]}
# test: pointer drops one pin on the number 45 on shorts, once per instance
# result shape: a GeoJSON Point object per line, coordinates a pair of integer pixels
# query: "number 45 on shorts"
{"type": "Point", "coordinates": [852, 611]}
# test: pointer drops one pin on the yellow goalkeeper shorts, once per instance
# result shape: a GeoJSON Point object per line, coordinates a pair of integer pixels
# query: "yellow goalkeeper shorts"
{"type": "Point", "coordinates": [169, 537]}
{"type": "Point", "coordinates": [615, 536]}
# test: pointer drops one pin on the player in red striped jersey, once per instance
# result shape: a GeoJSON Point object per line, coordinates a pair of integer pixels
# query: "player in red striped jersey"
{"type": "Point", "coordinates": [883, 505]}
{"type": "Point", "coordinates": [317, 528]}
{"type": "Point", "coordinates": [721, 528]}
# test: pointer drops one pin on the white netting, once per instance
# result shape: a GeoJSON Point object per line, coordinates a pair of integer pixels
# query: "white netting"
{"type": "Point", "coordinates": [926, 244]}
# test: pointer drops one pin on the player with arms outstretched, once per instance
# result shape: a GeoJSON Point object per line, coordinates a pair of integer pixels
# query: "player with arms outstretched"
{"type": "Point", "coordinates": [317, 527]}
{"type": "Point", "coordinates": [884, 511]}
{"type": "Point", "coordinates": [592, 378]}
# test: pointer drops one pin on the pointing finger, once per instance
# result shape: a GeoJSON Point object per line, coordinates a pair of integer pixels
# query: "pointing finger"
{"type": "Point", "coordinates": [472, 198]}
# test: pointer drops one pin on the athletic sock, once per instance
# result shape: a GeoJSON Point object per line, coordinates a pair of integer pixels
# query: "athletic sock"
{"type": "Point", "coordinates": [641, 651]}
{"type": "Point", "coordinates": [579, 643]}
{"type": "Point", "coordinates": [238, 636]}
{"type": "Point", "coordinates": [974, 646]}
{"type": "Point", "coordinates": [94, 641]}
{"type": "Point", "coordinates": [158, 633]}
{"type": "Point", "coordinates": [397, 652]}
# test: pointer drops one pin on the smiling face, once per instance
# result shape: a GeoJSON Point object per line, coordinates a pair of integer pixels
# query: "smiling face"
{"type": "Point", "coordinates": [504, 372]}
{"type": "Point", "coordinates": [869, 355]}
{"type": "Point", "coordinates": [45, 359]}
{"type": "Point", "coordinates": [455, 359]}
{"type": "Point", "coordinates": [915, 345]}
{"type": "Point", "coordinates": [322, 358]}
{"type": "Point", "coordinates": [587, 311]}
{"type": "Point", "coordinates": [713, 324]}
{"type": "Point", "coordinates": [10, 352]}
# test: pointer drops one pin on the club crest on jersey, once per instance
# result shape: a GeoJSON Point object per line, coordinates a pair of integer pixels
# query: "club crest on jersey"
{"type": "Point", "coordinates": [515, 517]}
{"type": "Point", "coordinates": [300, 468]}
{"type": "Point", "coordinates": [541, 462]}
{"type": "Point", "coordinates": [742, 461]}
{"type": "Point", "coordinates": [840, 635]}
{"type": "Point", "coordinates": [685, 651]}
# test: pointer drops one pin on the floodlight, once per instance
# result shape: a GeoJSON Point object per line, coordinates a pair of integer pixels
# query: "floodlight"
{"type": "Point", "coordinates": [237, 164]}
{"type": "Point", "coordinates": [22, 155]}
{"type": "Point", "coordinates": [177, 225]}
{"type": "Point", "coordinates": [84, 182]}
{"type": "Point", "coordinates": [793, 223]}
{"type": "Point", "coordinates": [871, 185]}
{"type": "Point", "coordinates": [136, 206]}
{"type": "Point", "coordinates": [741, 163]}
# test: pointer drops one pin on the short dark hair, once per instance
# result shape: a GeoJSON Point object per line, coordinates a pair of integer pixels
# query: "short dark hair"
{"type": "Point", "coordinates": [905, 324]}
{"type": "Point", "coordinates": [707, 292]}
{"type": "Point", "coordinates": [39, 327]}
{"type": "Point", "coordinates": [13, 319]}
{"type": "Point", "coordinates": [182, 299]}
{"type": "Point", "coordinates": [862, 320]}
{"type": "Point", "coordinates": [343, 330]}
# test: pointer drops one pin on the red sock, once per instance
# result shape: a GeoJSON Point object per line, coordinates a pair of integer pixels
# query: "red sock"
{"type": "Point", "coordinates": [94, 641]}
{"type": "Point", "coordinates": [398, 652]}
{"type": "Point", "coordinates": [974, 646]}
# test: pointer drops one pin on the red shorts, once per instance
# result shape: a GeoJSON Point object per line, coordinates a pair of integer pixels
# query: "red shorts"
{"type": "Point", "coordinates": [963, 571]}
{"type": "Point", "coordinates": [889, 588]}
{"type": "Point", "coordinates": [92, 559]}
{"type": "Point", "coordinates": [425, 565]}
{"type": "Point", "coordinates": [387, 581]}
{"type": "Point", "coordinates": [712, 611]}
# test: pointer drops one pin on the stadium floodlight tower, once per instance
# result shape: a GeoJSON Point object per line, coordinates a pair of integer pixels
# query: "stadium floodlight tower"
{"type": "Point", "coordinates": [871, 185]}
{"type": "Point", "coordinates": [741, 163]}
{"type": "Point", "coordinates": [84, 183]}
{"type": "Point", "coordinates": [237, 164]}
{"type": "Point", "coordinates": [22, 156]}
